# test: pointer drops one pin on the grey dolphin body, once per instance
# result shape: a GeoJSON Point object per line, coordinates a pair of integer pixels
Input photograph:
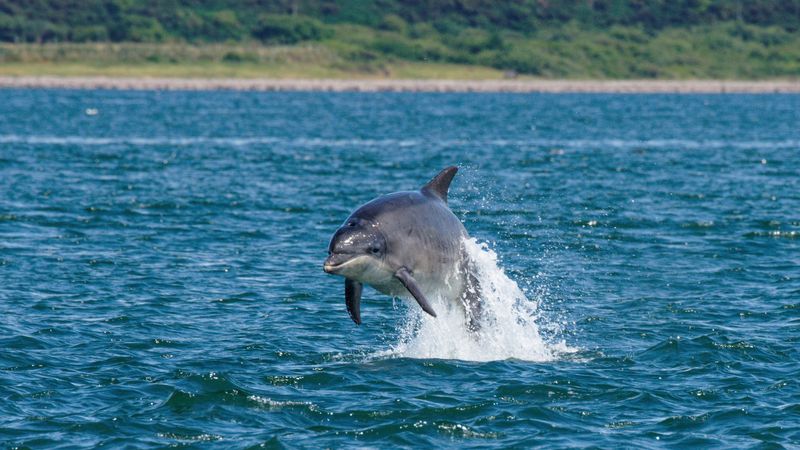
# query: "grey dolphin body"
{"type": "Point", "coordinates": [406, 244]}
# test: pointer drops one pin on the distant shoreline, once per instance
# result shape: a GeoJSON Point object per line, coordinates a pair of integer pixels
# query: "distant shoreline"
{"type": "Point", "coordinates": [402, 85]}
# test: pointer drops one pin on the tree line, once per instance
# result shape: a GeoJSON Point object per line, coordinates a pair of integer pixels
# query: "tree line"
{"type": "Point", "coordinates": [290, 21]}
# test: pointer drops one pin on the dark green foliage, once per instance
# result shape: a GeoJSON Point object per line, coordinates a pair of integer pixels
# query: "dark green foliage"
{"type": "Point", "coordinates": [413, 49]}
{"type": "Point", "coordinates": [88, 33]}
{"type": "Point", "coordinates": [10, 28]}
{"type": "Point", "coordinates": [139, 29]}
{"type": "Point", "coordinates": [238, 57]}
{"type": "Point", "coordinates": [475, 40]}
{"type": "Point", "coordinates": [223, 20]}
{"type": "Point", "coordinates": [285, 29]}
{"type": "Point", "coordinates": [222, 26]}
{"type": "Point", "coordinates": [393, 22]}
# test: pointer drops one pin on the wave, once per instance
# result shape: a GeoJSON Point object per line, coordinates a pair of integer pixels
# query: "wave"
{"type": "Point", "coordinates": [327, 142]}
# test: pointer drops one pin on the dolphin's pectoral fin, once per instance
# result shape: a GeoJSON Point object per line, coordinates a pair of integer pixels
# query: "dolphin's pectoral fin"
{"type": "Point", "coordinates": [410, 283]}
{"type": "Point", "coordinates": [352, 297]}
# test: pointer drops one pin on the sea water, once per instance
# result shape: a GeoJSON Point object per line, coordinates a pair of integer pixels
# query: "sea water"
{"type": "Point", "coordinates": [161, 273]}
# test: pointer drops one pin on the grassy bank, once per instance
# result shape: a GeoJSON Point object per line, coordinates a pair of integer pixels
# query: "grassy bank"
{"type": "Point", "coordinates": [401, 70]}
{"type": "Point", "coordinates": [218, 61]}
{"type": "Point", "coordinates": [719, 51]}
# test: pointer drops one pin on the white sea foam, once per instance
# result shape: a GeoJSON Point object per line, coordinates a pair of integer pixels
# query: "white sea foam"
{"type": "Point", "coordinates": [509, 328]}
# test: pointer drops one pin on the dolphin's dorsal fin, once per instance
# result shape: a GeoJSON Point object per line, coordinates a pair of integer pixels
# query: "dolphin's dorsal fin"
{"type": "Point", "coordinates": [439, 185]}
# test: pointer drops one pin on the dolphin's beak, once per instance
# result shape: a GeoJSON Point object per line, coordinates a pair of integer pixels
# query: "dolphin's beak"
{"type": "Point", "coordinates": [335, 261]}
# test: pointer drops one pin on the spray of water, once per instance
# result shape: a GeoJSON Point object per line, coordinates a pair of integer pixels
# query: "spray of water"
{"type": "Point", "coordinates": [508, 330]}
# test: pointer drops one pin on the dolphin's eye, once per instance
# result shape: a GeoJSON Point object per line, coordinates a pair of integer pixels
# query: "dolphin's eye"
{"type": "Point", "coordinates": [351, 223]}
{"type": "Point", "coordinates": [375, 250]}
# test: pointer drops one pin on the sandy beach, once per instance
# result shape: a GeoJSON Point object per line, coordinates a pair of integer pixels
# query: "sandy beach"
{"type": "Point", "coordinates": [403, 85]}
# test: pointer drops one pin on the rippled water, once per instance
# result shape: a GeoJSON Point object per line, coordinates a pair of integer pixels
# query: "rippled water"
{"type": "Point", "coordinates": [161, 280]}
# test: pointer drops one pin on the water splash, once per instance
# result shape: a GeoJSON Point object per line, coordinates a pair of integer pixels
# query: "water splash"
{"type": "Point", "coordinates": [509, 328]}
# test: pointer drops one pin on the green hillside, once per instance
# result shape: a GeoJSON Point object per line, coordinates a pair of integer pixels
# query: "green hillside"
{"type": "Point", "coordinates": [472, 38]}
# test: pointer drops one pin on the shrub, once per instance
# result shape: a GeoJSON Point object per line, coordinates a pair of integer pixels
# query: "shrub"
{"type": "Point", "coordinates": [520, 59]}
{"type": "Point", "coordinates": [189, 24]}
{"type": "Point", "coordinates": [286, 29]}
{"type": "Point", "coordinates": [628, 34]}
{"type": "Point", "coordinates": [393, 22]}
{"type": "Point", "coordinates": [10, 28]}
{"type": "Point", "coordinates": [416, 49]}
{"type": "Point", "coordinates": [137, 29]}
{"type": "Point", "coordinates": [470, 39]}
{"type": "Point", "coordinates": [223, 25]}
{"type": "Point", "coordinates": [42, 31]}
{"type": "Point", "coordinates": [89, 34]}
{"type": "Point", "coordinates": [419, 30]}
{"type": "Point", "coordinates": [235, 57]}
{"type": "Point", "coordinates": [400, 48]}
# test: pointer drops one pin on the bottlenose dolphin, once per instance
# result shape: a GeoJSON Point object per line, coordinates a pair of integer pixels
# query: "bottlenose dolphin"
{"type": "Point", "coordinates": [406, 244]}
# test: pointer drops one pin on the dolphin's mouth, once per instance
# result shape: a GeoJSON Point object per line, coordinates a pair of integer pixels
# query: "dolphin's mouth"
{"type": "Point", "coordinates": [335, 262]}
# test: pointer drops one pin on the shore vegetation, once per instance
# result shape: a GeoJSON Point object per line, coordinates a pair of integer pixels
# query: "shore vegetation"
{"type": "Point", "coordinates": [598, 39]}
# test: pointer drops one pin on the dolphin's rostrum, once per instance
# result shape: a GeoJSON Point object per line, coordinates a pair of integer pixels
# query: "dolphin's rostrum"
{"type": "Point", "coordinates": [406, 244]}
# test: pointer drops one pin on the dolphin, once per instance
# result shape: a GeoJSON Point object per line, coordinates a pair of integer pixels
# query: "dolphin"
{"type": "Point", "coordinates": [406, 244]}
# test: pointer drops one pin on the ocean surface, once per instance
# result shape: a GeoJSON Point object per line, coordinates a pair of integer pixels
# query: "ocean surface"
{"type": "Point", "coordinates": [161, 276]}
